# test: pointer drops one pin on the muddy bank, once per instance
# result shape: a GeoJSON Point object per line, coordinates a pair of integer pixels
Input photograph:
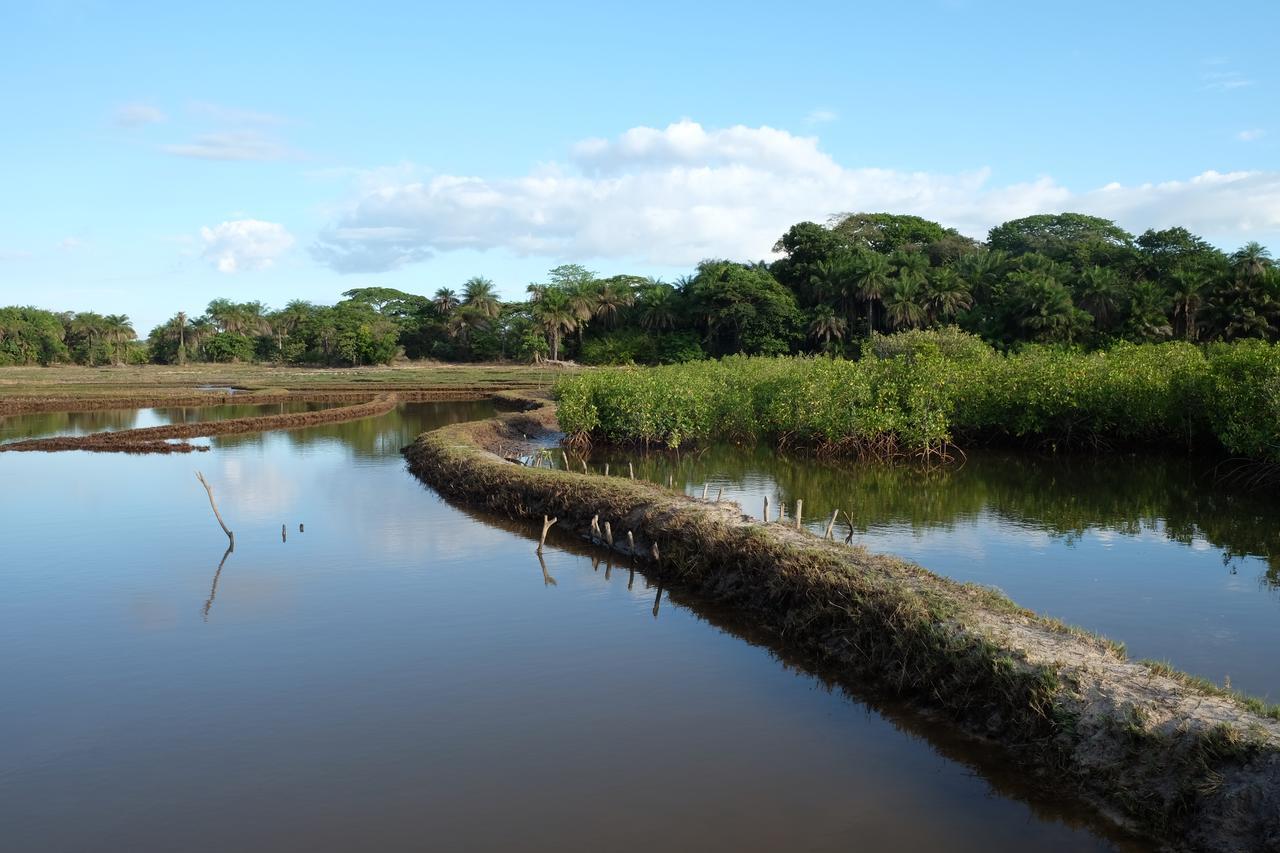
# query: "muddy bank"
{"type": "Point", "coordinates": [1152, 750]}
{"type": "Point", "coordinates": [157, 439]}
{"type": "Point", "coordinates": [27, 405]}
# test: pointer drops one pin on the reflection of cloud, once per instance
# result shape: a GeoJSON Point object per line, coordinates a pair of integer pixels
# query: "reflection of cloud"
{"type": "Point", "coordinates": [260, 488]}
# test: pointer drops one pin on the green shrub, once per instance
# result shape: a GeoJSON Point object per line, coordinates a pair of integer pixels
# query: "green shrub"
{"type": "Point", "coordinates": [1170, 396]}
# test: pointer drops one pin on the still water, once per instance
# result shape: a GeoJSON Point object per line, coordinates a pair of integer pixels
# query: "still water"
{"type": "Point", "coordinates": [47, 424]}
{"type": "Point", "coordinates": [1156, 552]}
{"type": "Point", "coordinates": [401, 674]}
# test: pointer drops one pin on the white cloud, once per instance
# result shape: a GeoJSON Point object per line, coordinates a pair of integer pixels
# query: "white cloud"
{"type": "Point", "coordinates": [677, 195]}
{"type": "Point", "coordinates": [245, 244]}
{"type": "Point", "coordinates": [231, 145]}
{"type": "Point", "coordinates": [821, 116]}
{"type": "Point", "coordinates": [1251, 135]}
{"type": "Point", "coordinates": [138, 115]}
{"type": "Point", "coordinates": [232, 115]}
{"type": "Point", "coordinates": [70, 244]}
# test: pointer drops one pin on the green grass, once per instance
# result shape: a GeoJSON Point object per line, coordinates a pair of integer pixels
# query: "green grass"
{"type": "Point", "coordinates": [76, 381]}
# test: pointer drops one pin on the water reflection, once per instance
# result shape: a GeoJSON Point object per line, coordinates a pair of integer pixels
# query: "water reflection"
{"type": "Point", "coordinates": [383, 680]}
{"type": "Point", "coordinates": [1146, 549]}
{"type": "Point", "coordinates": [48, 424]}
{"type": "Point", "coordinates": [213, 588]}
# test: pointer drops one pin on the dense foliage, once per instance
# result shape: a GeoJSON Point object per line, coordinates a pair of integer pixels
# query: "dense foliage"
{"type": "Point", "coordinates": [1065, 279]}
{"type": "Point", "coordinates": [931, 390]}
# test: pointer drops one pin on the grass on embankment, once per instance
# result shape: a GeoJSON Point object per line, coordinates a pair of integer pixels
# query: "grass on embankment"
{"type": "Point", "coordinates": [154, 380]}
{"type": "Point", "coordinates": [1187, 765]}
{"type": "Point", "coordinates": [1170, 396]}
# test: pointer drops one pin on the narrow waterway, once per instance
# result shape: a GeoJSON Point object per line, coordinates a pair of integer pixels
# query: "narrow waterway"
{"type": "Point", "coordinates": [1162, 553]}
{"type": "Point", "coordinates": [372, 668]}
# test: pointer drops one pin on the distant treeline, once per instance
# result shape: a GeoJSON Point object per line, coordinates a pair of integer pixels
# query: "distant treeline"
{"type": "Point", "coordinates": [1061, 279]}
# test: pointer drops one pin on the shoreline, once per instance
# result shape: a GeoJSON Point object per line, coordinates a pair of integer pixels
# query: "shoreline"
{"type": "Point", "coordinates": [1153, 751]}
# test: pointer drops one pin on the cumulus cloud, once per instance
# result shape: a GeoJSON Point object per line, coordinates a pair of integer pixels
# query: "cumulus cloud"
{"type": "Point", "coordinates": [138, 115]}
{"type": "Point", "coordinates": [1251, 135]}
{"type": "Point", "coordinates": [231, 145]}
{"type": "Point", "coordinates": [245, 244]}
{"type": "Point", "coordinates": [677, 195]}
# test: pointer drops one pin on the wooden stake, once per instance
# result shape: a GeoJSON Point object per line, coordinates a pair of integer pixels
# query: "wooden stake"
{"type": "Point", "coordinates": [671, 481]}
{"type": "Point", "coordinates": [719, 494]}
{"type": "Point", "coordinates": [208, 489]}
{"type": "Point", "coordinates": [546, 525]}
{"type": "Point", "coordinates": [705, 486]}
{"type": "Point", "coordinates": [631, 543]}
{"type": "Point", "coordinates": [831, 525]}
{"type": "Point", "coordinates": [584, 465]}
{"type": "Point", "coordinates": [799, 511]}
{"type": "Point", "coordinates": [608, 534]}
{"type": "Point", "coordinates": [764, 516]}
{"type": "Point", "coordinates": [631, 472]}
{"type": "Point", "coordinates": [782, 510]}
{"type": "Point", "coordinates": [606, 469]}
{"type": "Point", "coordinates": [595, 526]}
{"type": "Point", "coordinates": [654, 550]}
{"type": "Point", "coordinates": [565, 456]}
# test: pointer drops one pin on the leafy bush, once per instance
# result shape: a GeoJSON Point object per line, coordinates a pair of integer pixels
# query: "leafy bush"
{"type": "Point", "coordinates": [1170, 395]}
{"type": "Point", "coordinates": [1244, 387]}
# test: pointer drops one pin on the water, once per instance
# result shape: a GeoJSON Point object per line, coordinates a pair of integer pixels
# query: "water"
{"type": "Point", "coordinates": [405, 675]}
{"type": "Point", "coordinates": [48, 424]}
{"type": "Point", "coordinates": [1156, 552]}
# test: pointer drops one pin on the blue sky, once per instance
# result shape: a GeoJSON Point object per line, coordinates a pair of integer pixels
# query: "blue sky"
{"type": "Point", "coordinates": [158, 155]}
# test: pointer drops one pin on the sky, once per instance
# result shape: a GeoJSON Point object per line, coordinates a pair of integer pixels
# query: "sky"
{"type": "Point", "coordinates": [156, 156]}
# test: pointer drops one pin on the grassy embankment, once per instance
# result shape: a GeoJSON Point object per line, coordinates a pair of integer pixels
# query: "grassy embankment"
{"type": "Point", "coordinates": [925, 404]}
{"type": "Point", "coordinates": [1178, 759]}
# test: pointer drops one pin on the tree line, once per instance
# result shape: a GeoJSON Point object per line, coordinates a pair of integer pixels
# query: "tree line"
{"type": "Point", "coordinates": [1066, 279]}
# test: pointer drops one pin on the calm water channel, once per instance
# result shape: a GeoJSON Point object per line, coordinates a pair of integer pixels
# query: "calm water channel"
{"type": "Point", "coordinates": [405, 675]}
{"type": "Point", "coordinates": [1156, 552]}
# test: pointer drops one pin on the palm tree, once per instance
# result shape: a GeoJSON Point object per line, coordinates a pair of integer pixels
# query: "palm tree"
{"type": "Point", "coordinates": [611, 298]}
{"type": "Point", "coordinates": [464, 322]}
{"type": "Point", "coordinates": [198, 331]}
{"type": "Point", "coordinates": [657, 305]}
{"type": "Point", "coordinates": [555, 314]}
{"type": "Point", "coordinates": [946, 294]}
{"type": "Point", "coordinates": [479, 294]}
{"type": "Point", "coordinates": [1100, 293]}
{"type": "Point", "coordinates": [871, 278]}
{"type": "Point", "coordinates": [1251, 260]}
{"type": "Point", "coordinates": [1189, 285]}
{"type": "Point", "coordinates": [826, 324]}
{"type": "Point", "coordinates": [445, 300]}
{"type": "Point", "coordinates": [1043, 306]}
{"type": "Point", "coordinates": [583, 298]}
{"type": "Point", "coordinates": [903, 303]}
{"type": "Point", "coordinates": [119, 332]}
{"type": "Point", "coordinates": [179, 325]}
{"type": "Point", "coordinates": [92, 328]}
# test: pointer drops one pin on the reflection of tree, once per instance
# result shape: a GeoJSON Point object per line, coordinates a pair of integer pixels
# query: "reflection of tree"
{"type": "Point", "coordinates": [213, 589]}
{"type": "Point", "coordinates": [1001, 771]}
{"type": "Point", "coordinates": [1177, 498]}
{"type": "Point", "coordinates": [375, 437]}
{"type": "Point", "coordinates": [40, 424]}
{"type": "Point", "coordinates": [43, 424]}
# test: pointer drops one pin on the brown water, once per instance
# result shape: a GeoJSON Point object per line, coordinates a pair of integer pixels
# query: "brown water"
{"type": "Point", "coordinates": [406, 675]}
